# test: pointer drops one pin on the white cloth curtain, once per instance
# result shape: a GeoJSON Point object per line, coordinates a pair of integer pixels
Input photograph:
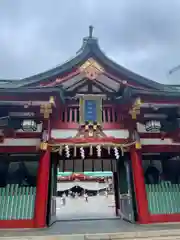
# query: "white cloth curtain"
{"type": "Point", "coordinates": [92, 185]}
{"type": "Point", "coordinates": [65, 186]}
{"type": "Point", "coordinates": [85, 185]}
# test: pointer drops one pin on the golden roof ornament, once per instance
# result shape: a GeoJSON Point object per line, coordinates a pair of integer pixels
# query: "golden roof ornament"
{"type": "Point", "coordinates": [91, 69]}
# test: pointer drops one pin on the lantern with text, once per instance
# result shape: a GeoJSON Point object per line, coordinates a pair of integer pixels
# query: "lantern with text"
{"type": "Point", "coordinates": [153, 126]}
{"type": "Point", "coordinates": [29, 125]}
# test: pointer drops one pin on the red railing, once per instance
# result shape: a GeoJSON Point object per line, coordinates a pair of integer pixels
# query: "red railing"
{"type": "Point", "coordinates": [109, 115]}
{"type": "Point", "coordinates": [69, 117]}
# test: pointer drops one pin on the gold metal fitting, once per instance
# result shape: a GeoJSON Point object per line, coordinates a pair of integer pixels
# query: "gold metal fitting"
{"type": "Point", "coordinates": [138, 145]}
{"type": "Point", "coordinates": [43, 146]}
{"type": "Point", "coordinates": [51, 100]}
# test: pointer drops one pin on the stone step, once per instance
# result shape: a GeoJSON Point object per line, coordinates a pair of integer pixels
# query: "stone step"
{"type": "Point", "coordinates": [138, 235]}
{"type": "Point", "coordinates": [155, 235]}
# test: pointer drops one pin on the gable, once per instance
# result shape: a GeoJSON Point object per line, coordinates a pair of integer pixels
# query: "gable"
{"type": "Point", "coordinates": [89, 87]}
{"type": "Point", "coordinates": [89, 60]}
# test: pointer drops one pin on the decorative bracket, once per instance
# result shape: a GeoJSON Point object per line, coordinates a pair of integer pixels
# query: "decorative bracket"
{"type": "Point", "coordinates": [135, 110]}
{"type": "Point", "coordinates": [46, 109]}
{"type": "Point", "coordinates": [90, 130]}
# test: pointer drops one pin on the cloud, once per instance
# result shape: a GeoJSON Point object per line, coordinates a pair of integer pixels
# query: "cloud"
{"type": "Point", "coordinates": [141, 35]}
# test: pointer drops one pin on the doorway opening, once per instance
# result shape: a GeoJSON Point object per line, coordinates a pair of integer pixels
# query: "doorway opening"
{"type": "Point", "coordinates": [86, 189]}
{"type": "Point", "coordinates": [85, 195]}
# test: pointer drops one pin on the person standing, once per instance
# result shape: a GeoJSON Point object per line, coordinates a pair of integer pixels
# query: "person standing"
{"type": "Point", "coordinates": [64, 199]}
{"type": "Point", "coordinates": [86, 197]}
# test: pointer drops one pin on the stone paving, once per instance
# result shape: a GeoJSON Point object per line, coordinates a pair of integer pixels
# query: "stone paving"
{"type": "Point", "coordinates": [69, 227]}
{"type": "Point", "coordinates": [96, 207]}
{"type": "Point", "coordinates": [141, 235]}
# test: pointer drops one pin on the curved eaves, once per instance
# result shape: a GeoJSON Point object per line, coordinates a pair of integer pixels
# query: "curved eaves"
{"type": "Point", "coordinates": [127, 73]}
{"type": "Point", "coordinates": [90, 48]}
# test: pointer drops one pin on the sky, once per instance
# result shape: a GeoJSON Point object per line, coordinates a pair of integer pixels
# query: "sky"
{"type": "Point", "coordinates": [141, 35]}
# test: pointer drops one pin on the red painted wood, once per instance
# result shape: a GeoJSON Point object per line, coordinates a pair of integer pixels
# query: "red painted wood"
{"type": "Point", "coordinates": [161, 135]}
{"type": "Point", "coordinates": [90, 140]}
{"type": "Point", "coordinates": [118, 79]}
{"type": "Point", "coordinates": [71, 114]}
{"type": "Point", "coordinates": [75, 114]}
{"type": "Point", "coordinates": [160, 218]}
{"type": "Point", "coordinates": [160, 148]}
{"type": "Point", "coordinates": [104, 115]}
{"type": "Point", "coordinates": [113, 114]}
{"type": "Point", "coordinates": [74, 125]}
{"type": "Point", "coordinates": [108, 114]}
{"type": "Point", "coordinates": [27, 135]}
{"type": "Point", "coordinates": [17, 223]}
{"type": "Point", "coordinates": [160, 100]}
{"type": "Point", "coordinates": [26, 97]}
{"type": "Point", "coordinates": [140, 191]}
{"type": "Point", "coordinates": [145, 148]}
{"type": "Point", "coordinates": [61, 79]}
{"type": "Point", "coordinates": [18, 149]}
{"type": "Point", "coordinates": [42, 190]}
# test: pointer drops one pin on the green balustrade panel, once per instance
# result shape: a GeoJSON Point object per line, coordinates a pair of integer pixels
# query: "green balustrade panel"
{"type": "Point", "coordinates": [17, 202]}
{"type": "Point", "coordinates": [163, 198]}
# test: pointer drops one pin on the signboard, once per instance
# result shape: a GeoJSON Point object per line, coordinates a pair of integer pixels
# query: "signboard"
{"type": "Point", "coordinates": [90, 110]}
{"type": "Point", "coordinates": [21, 114]}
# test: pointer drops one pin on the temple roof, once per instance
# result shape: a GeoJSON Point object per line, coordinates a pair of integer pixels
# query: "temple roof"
{"type": "Point", "coordinates": [89, 49]}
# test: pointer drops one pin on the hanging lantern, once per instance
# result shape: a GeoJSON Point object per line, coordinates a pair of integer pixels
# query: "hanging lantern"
{"type": "Point", "coordinates": [116, 153]}
{"type": "Point", "coordinates": [98, 148]}
{"type": "Point", "coordinates": [82, 153]}
{"type": "Point", "coordinates": [29, 125]}
{"type": "Point", "coordinates": [67, 151]}
{"type": "Point", "coordinates": [153, 126]}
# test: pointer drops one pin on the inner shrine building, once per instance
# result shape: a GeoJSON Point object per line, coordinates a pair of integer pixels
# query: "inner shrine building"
{"type": "Point", "coordinates": [89, 114]}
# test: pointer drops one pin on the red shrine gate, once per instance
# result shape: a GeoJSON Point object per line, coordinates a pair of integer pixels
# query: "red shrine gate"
{"type": "Point", "coordinates": [88, 108]}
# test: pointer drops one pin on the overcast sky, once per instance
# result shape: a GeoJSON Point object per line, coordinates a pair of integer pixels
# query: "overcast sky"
{"type": "Point", "coordinates": [142, 35]}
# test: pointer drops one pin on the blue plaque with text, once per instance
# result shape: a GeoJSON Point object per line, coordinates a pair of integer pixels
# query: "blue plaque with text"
{"type": "Point", "coordinates": [90, 110]}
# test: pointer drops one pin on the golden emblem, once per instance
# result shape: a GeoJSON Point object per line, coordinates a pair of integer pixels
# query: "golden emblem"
{"type": "Point", "coordinates": [91, 69]}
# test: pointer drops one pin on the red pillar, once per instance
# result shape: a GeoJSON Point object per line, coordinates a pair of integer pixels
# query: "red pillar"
{"type": "Point", "coordinates": [139, 184]}
{"type": "Point", "coordinates": [42, 190]}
